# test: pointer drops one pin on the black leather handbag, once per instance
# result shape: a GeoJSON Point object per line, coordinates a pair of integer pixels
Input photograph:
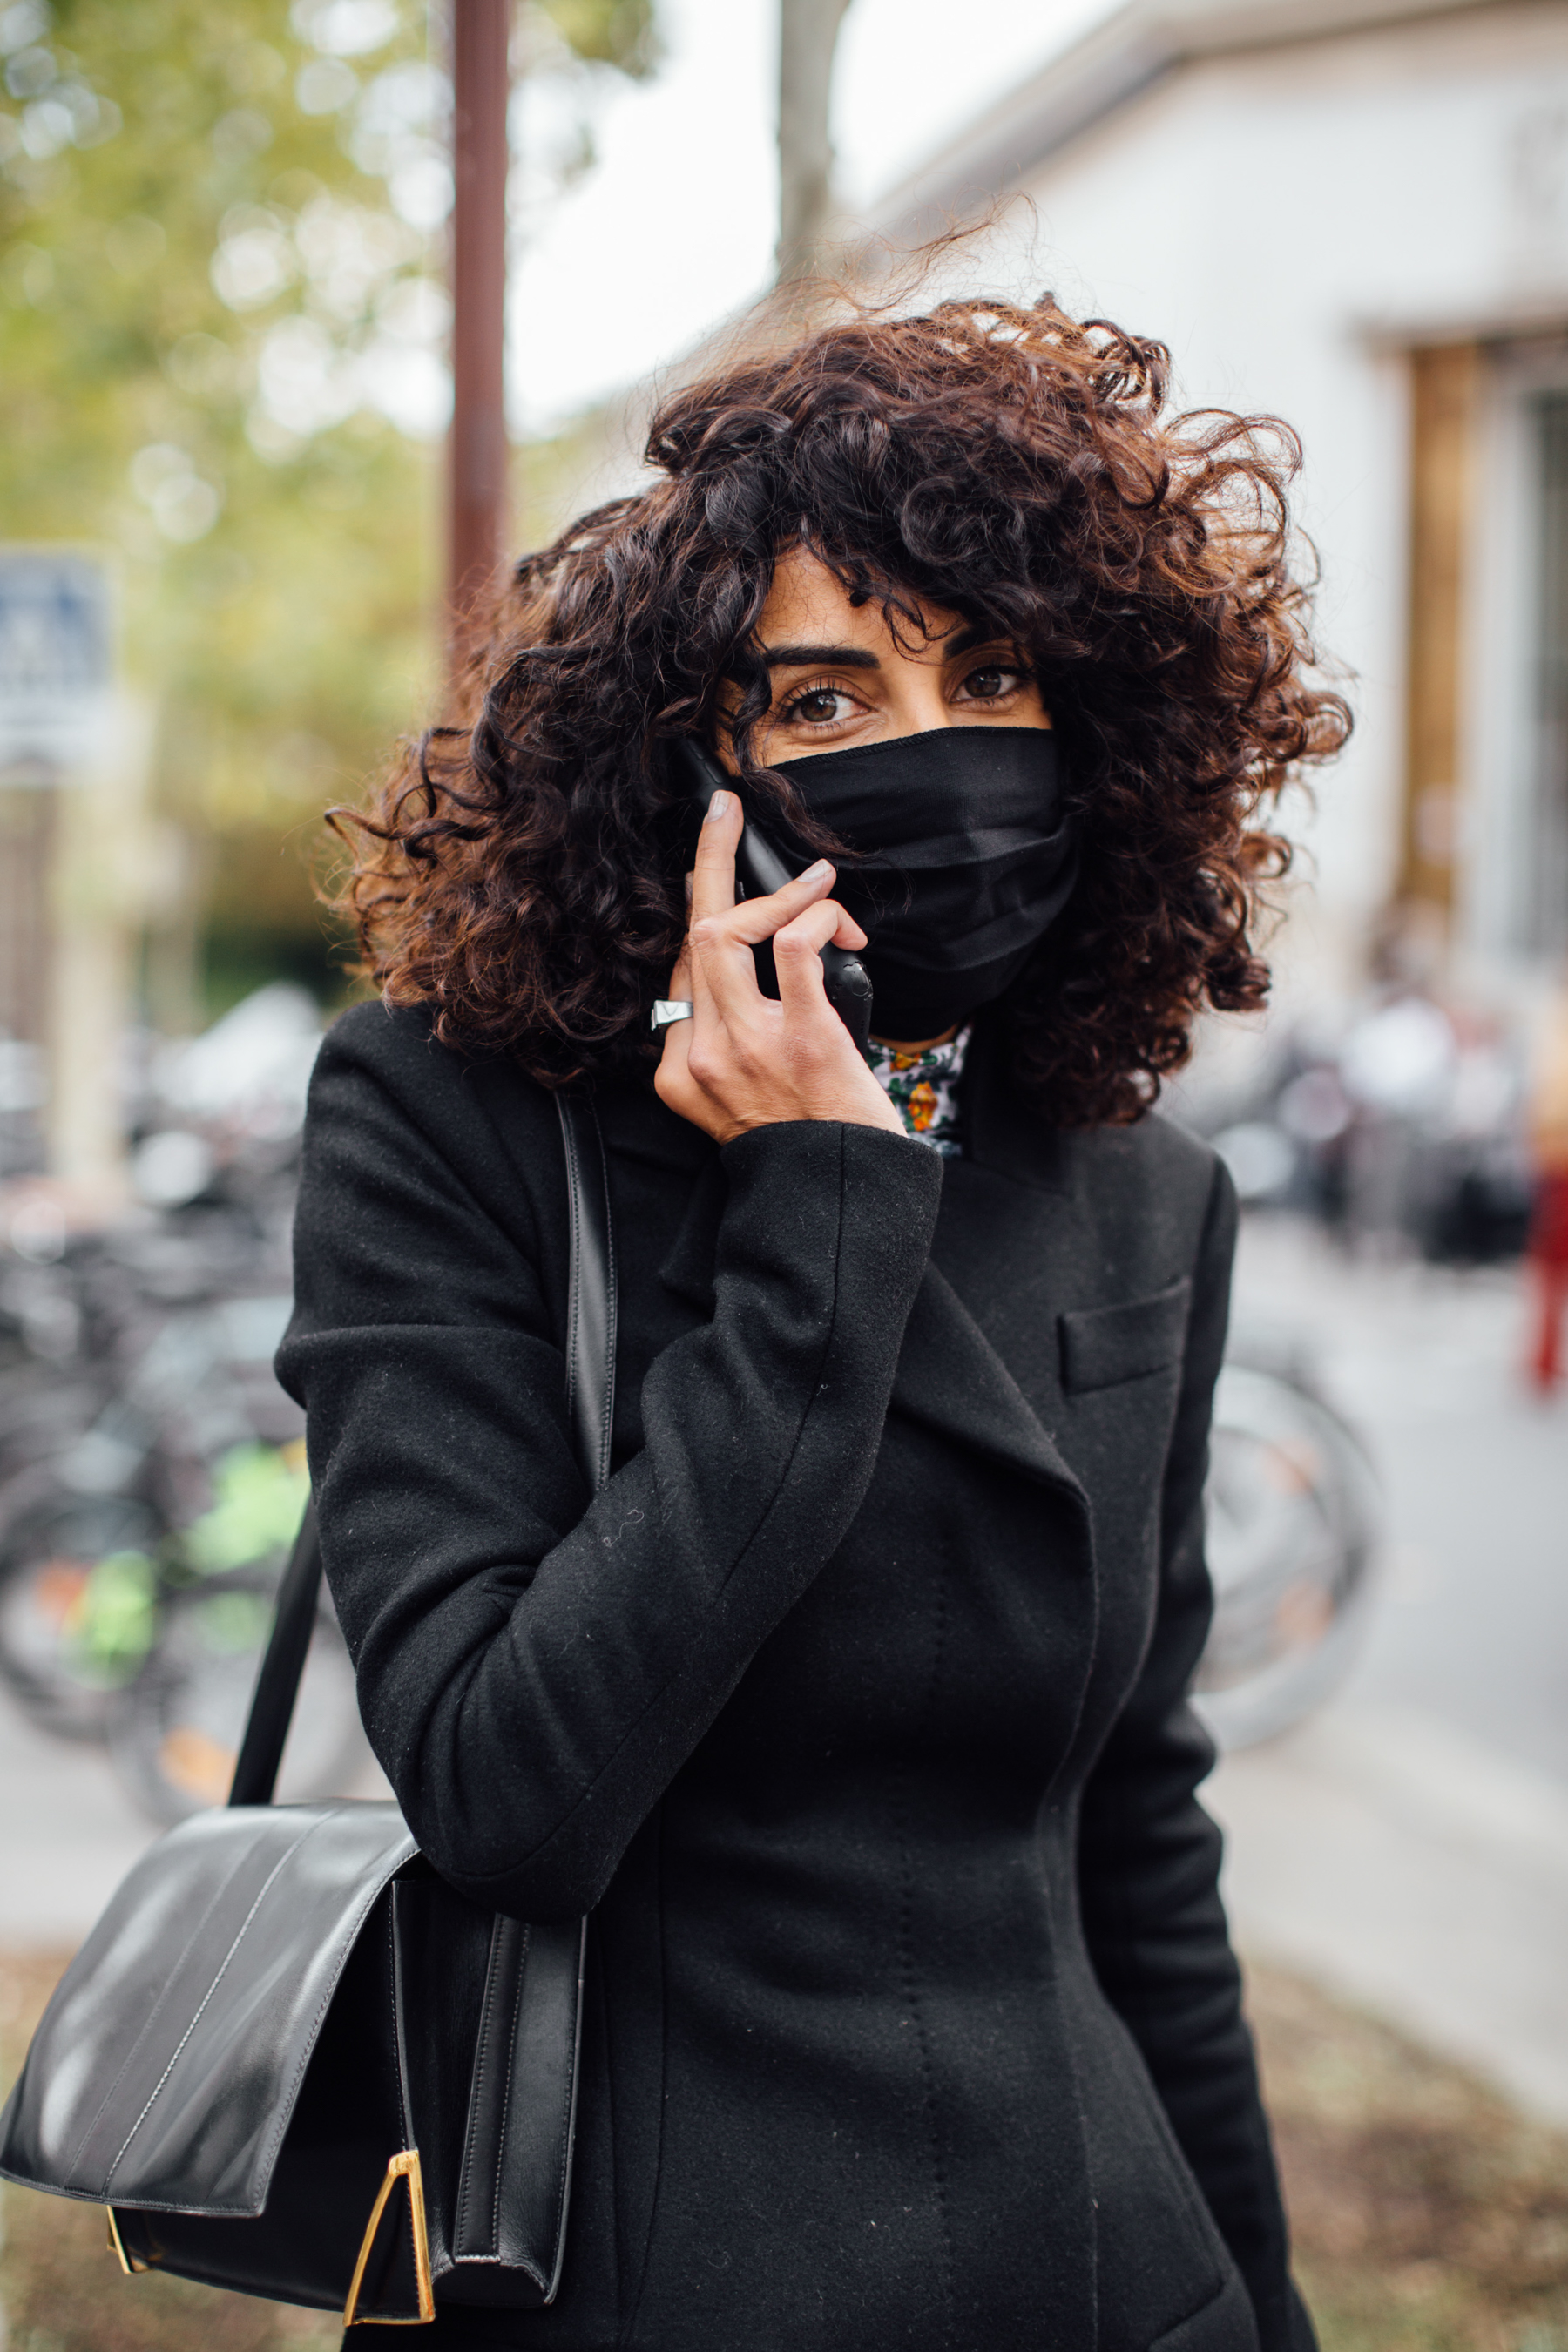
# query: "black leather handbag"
{"type": "Point", "coordinates": [289, 2060]}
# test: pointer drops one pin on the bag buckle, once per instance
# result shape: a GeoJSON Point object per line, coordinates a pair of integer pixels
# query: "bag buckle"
{"type": "Point", "coordinates": [404, 2166]}
{"type": "Point", "coordinates": [128, 2263]}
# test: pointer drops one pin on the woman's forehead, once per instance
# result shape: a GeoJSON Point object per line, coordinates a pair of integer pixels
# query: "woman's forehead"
{"type": "Point", "coordinates": [807, 603]}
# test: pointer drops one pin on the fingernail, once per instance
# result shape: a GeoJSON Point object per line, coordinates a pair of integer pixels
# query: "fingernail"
{"type": "Point", "coordinates": [815, 872]}
{"type": "Point", "coordinates": [717, 807]}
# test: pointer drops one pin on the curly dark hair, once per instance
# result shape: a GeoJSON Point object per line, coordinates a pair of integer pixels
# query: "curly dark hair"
{"type": "Point", "coordinates": [522, 874]}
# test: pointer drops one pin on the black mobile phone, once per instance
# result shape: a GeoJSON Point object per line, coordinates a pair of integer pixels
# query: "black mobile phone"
{"type": "Point", "coordinates": [760, 870]}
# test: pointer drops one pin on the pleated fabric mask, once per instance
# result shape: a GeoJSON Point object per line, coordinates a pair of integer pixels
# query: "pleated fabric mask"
{"type": "Point", "coordinates": [966, 859]}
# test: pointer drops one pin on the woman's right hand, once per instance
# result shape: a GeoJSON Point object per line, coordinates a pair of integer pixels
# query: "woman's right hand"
{"type": "Point", "coordinates": [744, 1060]}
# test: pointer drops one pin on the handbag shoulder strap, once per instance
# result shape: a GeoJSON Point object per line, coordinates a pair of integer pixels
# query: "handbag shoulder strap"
{"type": "Point", "coordinates": [591, 1286]}
{"type": "Point", "coordinates": [590, 1402]}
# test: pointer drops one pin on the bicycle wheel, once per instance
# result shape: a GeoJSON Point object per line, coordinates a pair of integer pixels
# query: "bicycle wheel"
{"type": "Point", "coordinates": [1292, 1527]}
{"type": "Point", "coordinates": [175, 1730]}
{"type": "Point", "coordinates": [77, 1583]}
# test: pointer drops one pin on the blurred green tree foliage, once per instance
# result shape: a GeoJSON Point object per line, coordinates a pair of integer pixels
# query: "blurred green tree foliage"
{"type": "Point", "coordinates": [223, 320]}
{"type": "Point", "coordinates": [619, 33]}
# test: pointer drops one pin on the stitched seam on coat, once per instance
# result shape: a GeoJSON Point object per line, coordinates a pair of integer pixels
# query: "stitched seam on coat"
{"type": "Point", "coordinates": [911, 1990]}
{"type": "Point", "coordinates": [815, 1391]}
{"type": "Point", "coordinates": [624, 2338]}
{"type": "Point", "coordinates": [525, 1862]}
{"type": "Point", "coordinates": [595, 1977]}
{"type": "Point", "coordinates": [1120, 1818]}
{"type": "Point", "coordinates": [1126, 1927]}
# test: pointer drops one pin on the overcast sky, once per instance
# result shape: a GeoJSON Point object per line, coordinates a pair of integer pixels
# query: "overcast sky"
{"type": "Point", "coordinates": [673, 227]}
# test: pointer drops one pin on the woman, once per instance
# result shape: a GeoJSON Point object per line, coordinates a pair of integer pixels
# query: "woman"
{"type": "Point", "coordinates": [852, 1707]}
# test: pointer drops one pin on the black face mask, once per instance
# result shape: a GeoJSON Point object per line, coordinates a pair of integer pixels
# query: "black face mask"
{"type": "Point", "coordinates": [968, 858]}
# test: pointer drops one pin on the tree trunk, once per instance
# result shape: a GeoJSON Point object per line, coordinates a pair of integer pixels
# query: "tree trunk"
{"type": "Point", "coordinates": [808, 35]}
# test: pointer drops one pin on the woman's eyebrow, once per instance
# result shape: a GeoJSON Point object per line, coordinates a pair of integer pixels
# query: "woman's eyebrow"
{"type": "Point", "coordinates": [962, 640]}
{"type": "Point", "coordinates": [809, 656]}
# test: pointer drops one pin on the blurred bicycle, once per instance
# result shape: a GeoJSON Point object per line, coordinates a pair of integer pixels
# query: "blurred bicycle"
{"type": "Point", "coordinates": [1293, 1531]}
{"type": "Point", "coordinates": [124, 1450]}
{"type": "Point", "coordinates": [151, 1471]}
{"type": "Point", "coordinates": [148, 1636]}
{"type": "Point", "coordinates": [174, 1726]}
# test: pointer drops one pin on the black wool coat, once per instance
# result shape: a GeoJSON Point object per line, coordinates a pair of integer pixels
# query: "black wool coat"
{"type": "Point", "coordinates": [852, 1707]}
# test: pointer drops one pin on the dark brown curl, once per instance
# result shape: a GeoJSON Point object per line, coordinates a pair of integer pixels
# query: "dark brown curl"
{"type": "Point", "coordinates": [522, 874]}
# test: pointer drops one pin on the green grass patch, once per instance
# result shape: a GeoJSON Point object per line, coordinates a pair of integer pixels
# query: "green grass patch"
{"type": "Point", "coordinates": [1428, 2215]}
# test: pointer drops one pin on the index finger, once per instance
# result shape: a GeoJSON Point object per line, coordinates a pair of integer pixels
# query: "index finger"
{"type": "Point", "coordinates": [713, 868]}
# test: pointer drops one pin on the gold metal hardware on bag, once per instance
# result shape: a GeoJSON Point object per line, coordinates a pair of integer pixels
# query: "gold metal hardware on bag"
{"type": "Point", "coordinates": [128, 2263]}
{"type": "Point", "coordinates": [402, 2166]}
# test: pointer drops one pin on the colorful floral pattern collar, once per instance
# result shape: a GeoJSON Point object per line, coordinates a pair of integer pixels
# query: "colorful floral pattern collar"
{"type": "Point", "coordinates": [923, 1090]}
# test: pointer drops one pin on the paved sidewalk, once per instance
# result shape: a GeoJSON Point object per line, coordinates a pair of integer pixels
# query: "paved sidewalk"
{"type": "Point", "coordinates": [1409, 1846]}
{"type": "Point", "coordinates": [1419, 1871]}
{"type": "Point", "coordinates": [1472, 1623]}
{"type": "Point", "coordinates": [68, 1835]}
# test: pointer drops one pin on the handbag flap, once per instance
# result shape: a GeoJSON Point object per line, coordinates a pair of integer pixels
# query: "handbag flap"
{"type": "Point", "coordinates": [167, 2064]}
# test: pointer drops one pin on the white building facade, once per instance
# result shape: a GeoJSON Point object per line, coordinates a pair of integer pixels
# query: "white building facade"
{"type": "Point", "coordinates": [1354, 216]}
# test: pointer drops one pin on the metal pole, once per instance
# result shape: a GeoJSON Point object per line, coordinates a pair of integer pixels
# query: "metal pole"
{"type": "Point", "coordinates": [478, 453]}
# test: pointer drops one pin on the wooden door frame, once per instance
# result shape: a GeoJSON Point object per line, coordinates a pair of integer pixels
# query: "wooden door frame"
{"type": "Point", "coordinates": [1446, 385]}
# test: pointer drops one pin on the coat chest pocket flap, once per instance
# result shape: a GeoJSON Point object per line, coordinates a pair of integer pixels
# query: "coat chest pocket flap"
{"type": "Point", "coordinates": [1103, 1345]}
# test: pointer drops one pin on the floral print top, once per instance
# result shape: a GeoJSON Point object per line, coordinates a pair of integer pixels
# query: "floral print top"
{"type": "Point", "coordinates": [923, 1090]}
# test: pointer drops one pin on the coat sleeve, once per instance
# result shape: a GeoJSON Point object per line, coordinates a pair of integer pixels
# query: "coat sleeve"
{"type": "Point", "coordinates": [534, 1666]}
{"type": "Point", "coordinates": [1149, 1861]}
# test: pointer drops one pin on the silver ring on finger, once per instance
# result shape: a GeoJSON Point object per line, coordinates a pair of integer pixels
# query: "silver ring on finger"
{"type": "Point", "coordinates": [667, 1010]}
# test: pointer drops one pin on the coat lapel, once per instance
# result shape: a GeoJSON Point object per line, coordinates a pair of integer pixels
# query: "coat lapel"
{"type": "Point", "coordinates": [951, 1378]}
{"type": "Point", "coordinates": [982, 1355]}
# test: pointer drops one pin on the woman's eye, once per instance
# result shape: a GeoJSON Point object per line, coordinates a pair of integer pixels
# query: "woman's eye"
{"type": "Point", "coordinates": [990, 684]}
{"type": "Point", "coordinates": [820, 706]}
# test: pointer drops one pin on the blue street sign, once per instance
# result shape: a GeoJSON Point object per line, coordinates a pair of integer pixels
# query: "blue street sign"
{"type": "Point", "coordinates": [57, 662]}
